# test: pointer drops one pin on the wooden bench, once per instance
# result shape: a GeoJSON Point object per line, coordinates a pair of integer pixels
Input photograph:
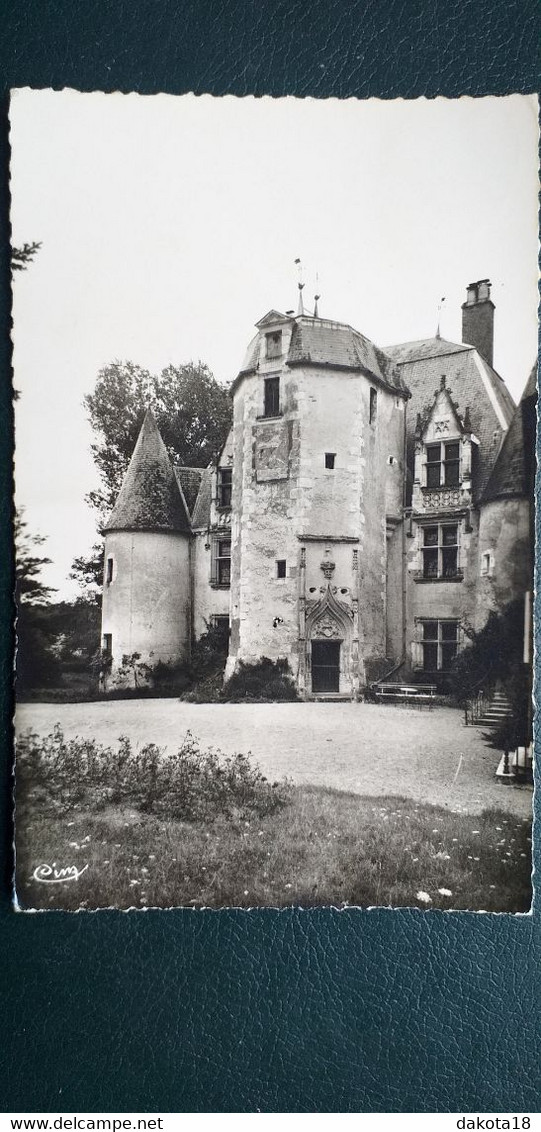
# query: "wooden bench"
{"type": "Point", "coordinates": [419, 694]}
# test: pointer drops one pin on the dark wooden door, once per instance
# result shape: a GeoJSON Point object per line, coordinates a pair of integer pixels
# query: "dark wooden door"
{"type": "Point", "coordinates": [326, 666]}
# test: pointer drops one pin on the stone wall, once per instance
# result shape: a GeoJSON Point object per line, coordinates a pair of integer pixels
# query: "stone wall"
{"type": "Point", "coordinates": [209, 600]}
{"type": "Point", "coordinates": [505, 568]}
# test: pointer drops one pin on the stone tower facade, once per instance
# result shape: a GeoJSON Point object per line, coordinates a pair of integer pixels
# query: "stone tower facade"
{"type": "Point", "coordinates": [318, 459]}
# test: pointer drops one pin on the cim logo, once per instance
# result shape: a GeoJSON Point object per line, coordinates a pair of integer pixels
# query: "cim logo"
{"type": "Point", "coordinates": [52, 874]}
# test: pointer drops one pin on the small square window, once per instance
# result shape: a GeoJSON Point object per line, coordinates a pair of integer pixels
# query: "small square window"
{"type": "Point", "coordinates": [330, 457]}
{"type": "Point", "coordinates": [281, 568]}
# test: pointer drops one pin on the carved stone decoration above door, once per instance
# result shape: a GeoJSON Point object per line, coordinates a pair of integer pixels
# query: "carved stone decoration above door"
{"type": "Point", "coordinates": [327, 627]}
{"type": "Point", "coordinates": [328, 616]}
{"type": "Point", "coordinates": [328, 568]}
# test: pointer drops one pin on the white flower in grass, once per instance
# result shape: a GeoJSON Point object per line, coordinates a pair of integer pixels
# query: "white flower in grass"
{"type": "Point", "coordinates": [445, 892]}
{"type": "Point", "coordinates": [423, 897]}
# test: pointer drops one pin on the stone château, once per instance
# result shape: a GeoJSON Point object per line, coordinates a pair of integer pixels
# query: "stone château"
{"type": "Point", "coordinates": [368, 506]}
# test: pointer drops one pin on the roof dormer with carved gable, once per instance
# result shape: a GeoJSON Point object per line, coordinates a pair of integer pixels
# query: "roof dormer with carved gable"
{"type": "Point", "coordinates": [445, 457]}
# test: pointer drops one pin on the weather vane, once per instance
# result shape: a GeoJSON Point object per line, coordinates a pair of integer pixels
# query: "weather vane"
{"type": "Point", "coordinates": [440, 307]}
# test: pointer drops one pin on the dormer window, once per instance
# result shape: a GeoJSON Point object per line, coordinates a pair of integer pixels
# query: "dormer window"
{"type": "Point", "coordinates": [443, 464]}
{"type": "Point", "coordinates": [273, 343]}
{"type": "Point", "coordinates": [224, 487]}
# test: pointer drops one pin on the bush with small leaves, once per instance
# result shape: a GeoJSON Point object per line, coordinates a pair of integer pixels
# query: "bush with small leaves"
{"type": "Point", "coordinates": [266, 680]}
{"type": "Point", "coordinates": [191, 784]}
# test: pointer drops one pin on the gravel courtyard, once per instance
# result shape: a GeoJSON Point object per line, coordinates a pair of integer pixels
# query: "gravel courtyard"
{"type": "Point", "coordinates": [365, 748]}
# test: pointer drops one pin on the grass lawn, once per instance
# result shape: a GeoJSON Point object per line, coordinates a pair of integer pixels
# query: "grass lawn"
{"type": "Point", "coordinates": [323, 847]}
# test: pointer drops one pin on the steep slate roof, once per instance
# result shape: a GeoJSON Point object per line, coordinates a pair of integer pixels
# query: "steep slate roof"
{"type": "Point", "coordinates": [320, 342]}
{"type": "Point", "coordinates": [472, 384]}
{"type": "Point", "coordinates": [149, 499]}
{"type": "Point", "coordinates": [189, 481]}
{"type": "Point", "coordinates": [513, 472]}
{"type": "Point", "coordinates": [325, 344]}
{"type": "Point", "coordinates": [201, 511]}
{"type": "Point", "coordinates": [251, 357]}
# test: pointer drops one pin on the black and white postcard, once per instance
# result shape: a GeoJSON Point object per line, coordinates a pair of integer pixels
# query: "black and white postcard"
{"type": "Point", "coordinates": [275, 379]}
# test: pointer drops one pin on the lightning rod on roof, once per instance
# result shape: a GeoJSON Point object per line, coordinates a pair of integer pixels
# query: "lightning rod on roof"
{"type": "Point", "coordinates": [300, 285]}
{"type": "Point", "coordinates": [317, 297]}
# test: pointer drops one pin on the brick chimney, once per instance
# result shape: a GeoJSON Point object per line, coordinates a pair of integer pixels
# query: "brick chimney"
{"type": "Point", "coordinates": [478, 319]}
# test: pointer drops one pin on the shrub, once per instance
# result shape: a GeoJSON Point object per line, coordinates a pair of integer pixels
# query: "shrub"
{"type": "Point", "coordinates": [58, 774]}
{"type": "Point", "coordinates": [266, 680]}
{"type": "Point", "coordinates": [209, 653]}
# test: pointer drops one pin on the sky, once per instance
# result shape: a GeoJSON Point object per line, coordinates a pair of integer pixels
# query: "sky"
{"type": "Point", "coordinates": [170, 225]}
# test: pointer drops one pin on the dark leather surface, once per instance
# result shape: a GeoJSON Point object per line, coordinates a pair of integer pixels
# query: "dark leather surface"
{"type": "Point", "coordinates": [292, 1011]}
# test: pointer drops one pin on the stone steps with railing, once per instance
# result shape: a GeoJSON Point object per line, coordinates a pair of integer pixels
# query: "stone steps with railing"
{"type": "Point", "coordinates": [489, 711]}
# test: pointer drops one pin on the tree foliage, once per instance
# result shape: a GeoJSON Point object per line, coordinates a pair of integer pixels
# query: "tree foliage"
{"type": "Point", "coordinates": [37, 665]}
{"type": "Point", "coordinates": [495, 656]}
{"type": "Point", "coordinates": [21, 257]}
{"type": "Point", "coordinates": [29, 587]}
{"type": "Point", "coordinates": [192, 411]}
{"type": "Point", "coordinates": [88, 572]}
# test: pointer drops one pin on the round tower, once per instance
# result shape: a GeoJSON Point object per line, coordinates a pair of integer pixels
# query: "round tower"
{"type": "Point", "coordinates": [506, 523]}
{"type": "Point", "coordinates": [146, 612]}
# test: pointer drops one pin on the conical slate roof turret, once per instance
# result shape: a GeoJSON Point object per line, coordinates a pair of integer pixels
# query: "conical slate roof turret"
{"type": "Point", "coordinates": [150, 498]}
{"type": "Point", "coordinates": [514, 471]}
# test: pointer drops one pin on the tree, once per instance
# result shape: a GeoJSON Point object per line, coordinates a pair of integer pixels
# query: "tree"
{"type": "Point", "coordinates": [37, 665]}
{"type": "Point", "coordinates": [88, 572]}
{"type": "Point", "coordinates": [192, 411]}
{"type": "Point", "coordinates": [29, 587]}
{"type": "Point", "coordinates": [21, 257]}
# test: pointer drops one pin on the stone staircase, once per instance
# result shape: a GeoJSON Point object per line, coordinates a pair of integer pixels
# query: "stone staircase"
{"type": "Point", "coordinates": [494, 711]}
